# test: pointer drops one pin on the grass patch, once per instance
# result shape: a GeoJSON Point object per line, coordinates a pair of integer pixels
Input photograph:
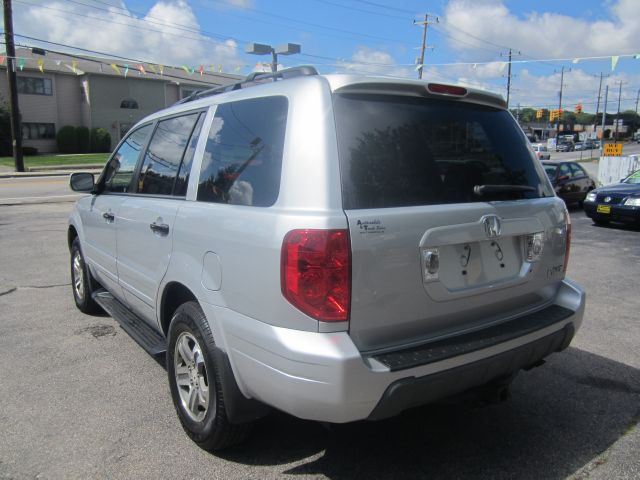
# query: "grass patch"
{"type": "Point", "coordinates": [53, 160]}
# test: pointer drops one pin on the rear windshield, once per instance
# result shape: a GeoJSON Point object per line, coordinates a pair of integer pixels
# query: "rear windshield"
{"type": "Point", "coordinates": [404, 151]}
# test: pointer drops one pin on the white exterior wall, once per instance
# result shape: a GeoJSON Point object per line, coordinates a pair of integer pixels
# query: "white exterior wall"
{"type": "Point", "coordinates": [613, 169]}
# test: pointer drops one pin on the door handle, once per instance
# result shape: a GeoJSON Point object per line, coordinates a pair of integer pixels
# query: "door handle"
{"type": "Point", "coordinates": [160, 228]}
{"type": "Point", "coordinates": [108, 216]}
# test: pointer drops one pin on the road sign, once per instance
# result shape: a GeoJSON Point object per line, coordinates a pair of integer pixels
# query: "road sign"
{"type": "Point", "coordinates": [612, 150]}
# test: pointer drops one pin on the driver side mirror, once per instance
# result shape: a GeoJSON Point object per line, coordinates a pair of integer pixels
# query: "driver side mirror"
{"type": "Point", "coordinates": [82, 182]}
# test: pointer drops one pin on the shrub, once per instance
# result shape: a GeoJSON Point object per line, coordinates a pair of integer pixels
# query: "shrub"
{"type": "Point", "coordinates": [100, 140]}
{"type": "Point", "coordinates": [84, 139]}
{"type": "Point", "coordinates": [67, 140]}
{"type": "Point", "coordinates": [29, 151]}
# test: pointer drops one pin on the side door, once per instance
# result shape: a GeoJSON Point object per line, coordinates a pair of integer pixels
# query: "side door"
{"type": "Point", "coordinates": [566, 187]}
{"type": "Point", "coordinates": [100, 218]}
{"type": "Point", "coordinates": [144, 236]}
{"type": "Point", "coordinates": [581, 179]}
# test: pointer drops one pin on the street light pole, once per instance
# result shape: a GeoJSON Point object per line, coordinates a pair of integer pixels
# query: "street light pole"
{"type": "Point", "coordinates": [264, 49]}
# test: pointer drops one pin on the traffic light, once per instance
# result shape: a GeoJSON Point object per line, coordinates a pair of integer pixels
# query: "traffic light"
{"type": "Point", "coordinates": [553, 115]}
{"type": "Point", "coordinates": [539, 114]}
{"type": "Point", "coordinates": [578, 108]}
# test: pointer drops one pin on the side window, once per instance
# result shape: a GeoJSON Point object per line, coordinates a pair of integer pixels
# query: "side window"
{"type": "Point", "coordinates": [577, 170]}
{"type": "Point", "coordinates": [183, 175]}
{"type": "Point", "coordinates": [119, 171]}
{"type": "Point", "coordinates": [564, 170]}
{"type": "Point", "coordinates": [243, 157]}
{"type": "Point", "coordinates": [164, 155]}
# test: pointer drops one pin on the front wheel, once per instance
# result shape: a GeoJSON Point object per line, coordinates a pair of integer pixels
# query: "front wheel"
{"type": "Point", "coordinates": [82, 282]}
{"type": "Point", "coordinates": [195, 381]}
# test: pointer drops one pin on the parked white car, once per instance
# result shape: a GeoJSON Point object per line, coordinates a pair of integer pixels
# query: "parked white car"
{"type": "Point", "coordinates": [542, 152]}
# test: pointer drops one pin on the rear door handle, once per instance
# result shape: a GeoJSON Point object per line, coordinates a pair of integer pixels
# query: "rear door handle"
{"type": "Point", "coordinates": [160, 228]}
{"type": "Point", "coordinates": [108, 216]}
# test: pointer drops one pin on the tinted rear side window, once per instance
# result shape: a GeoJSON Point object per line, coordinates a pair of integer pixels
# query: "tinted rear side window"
{"type": "Point", "coordinates": [243, 157]}
{"type": "Point", "coordinates": [404, 151]}
{"type": "Point", "coordinates": [164, 155]}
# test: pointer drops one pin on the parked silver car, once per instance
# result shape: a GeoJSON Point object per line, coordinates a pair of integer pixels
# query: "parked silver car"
{"type": "Point", "coordinates": [337, 247]}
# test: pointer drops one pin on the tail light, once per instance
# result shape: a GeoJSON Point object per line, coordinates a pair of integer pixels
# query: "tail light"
{"type": "Point", "coordinates": [567, 248]}
{"type": "Point", "coordinates": [316, 273]}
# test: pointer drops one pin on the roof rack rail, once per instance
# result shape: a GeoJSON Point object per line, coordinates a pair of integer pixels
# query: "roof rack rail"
{"type": "Point", "coordinates": [252, 79]}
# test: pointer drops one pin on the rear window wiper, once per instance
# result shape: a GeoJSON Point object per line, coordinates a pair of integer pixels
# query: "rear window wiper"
{"type": "Point", "coordinates": [484, 189]}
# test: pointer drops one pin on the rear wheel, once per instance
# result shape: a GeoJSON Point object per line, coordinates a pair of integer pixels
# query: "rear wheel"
{"type": "Point", "coordinates": [82, 283]}
{"type": "Point", "coordinates": [195, 381]}
{"type": "Point", "coordinates": [599, 221]}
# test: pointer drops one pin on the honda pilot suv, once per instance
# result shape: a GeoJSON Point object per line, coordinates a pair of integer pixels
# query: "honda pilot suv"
{"type": "Point", "coordinates": [336, 247]}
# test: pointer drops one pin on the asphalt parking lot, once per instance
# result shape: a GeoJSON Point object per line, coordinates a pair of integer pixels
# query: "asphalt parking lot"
{"type": "Point", "coordinates": [79, 399]}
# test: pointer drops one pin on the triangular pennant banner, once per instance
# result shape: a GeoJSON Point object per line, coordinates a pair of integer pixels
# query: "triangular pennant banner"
{"type": "Point", "coordinates": [141, 69]}
{"type": "Point", "coordinates": [41, 65]}
{"type": "Point", "coordinates": [474, 66]}
{"type": "Point", "coordinates": [21, 62]}
{"type": "Point", "coordinates": [614, 62]}
{"type": "Point", "coordinates": [126, 69]}
{"type": "Point", "coordinates": [115, 68]}
{"type": "Point", "coordinates": [2, 59]}
{"type": "Point", "coordinates": [237, 69]}
{"type": "Point", "coordinates": [201, 70]}
{"type": "Point", "coordinates": [186, 69]}
{"type": "Point", "coordinates": [58, 62]}
{"type": "Point", "coordinates": [74, 66]}
{"type": "Point", "coordinates": [152, 68]}
{"type": "Point", "coordinates": [219, 68]}
{"type": "Point", "coordinates": [575, 60]}
{"type": "Point", "coordinates": [503, 65]}
{"type": "Point", "coordinates": [161, 69]}
{"type": "Point", "coordinates": [637, 56]}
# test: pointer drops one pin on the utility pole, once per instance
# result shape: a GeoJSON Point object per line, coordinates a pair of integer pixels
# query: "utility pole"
{"type": "Point", "coordinates": [604, 115]}
{"type": "Point", "coordinates": [595, 119]}
{"type": "Point", "coordinates": [637, 98]}
{"type": "Point", "coordinates": [424, 40]}
{"type": "Point", "coordinates": [509, 76]}
{"type": "Point", "coordinates": [560, 105]}
{"type": "Point", "coordinates": [16, 132]}
{"type": "Point", "coordinates": [618, 112]}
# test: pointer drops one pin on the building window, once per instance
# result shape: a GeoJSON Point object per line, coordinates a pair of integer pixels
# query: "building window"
{"type": "Point", "coordinates": [186, 92]}
{"type": "Point", "coordinates": [38, 131]}
{"type": "Point", "coordinates": [129, 103]}
{"type": "Point", "coordinates": [34, 86]}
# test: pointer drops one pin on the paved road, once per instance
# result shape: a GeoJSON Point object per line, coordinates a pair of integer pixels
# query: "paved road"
{"type": "Point", "coordinates": [80, 399]}
{"type": "Point", "coordinates": [35, 190]}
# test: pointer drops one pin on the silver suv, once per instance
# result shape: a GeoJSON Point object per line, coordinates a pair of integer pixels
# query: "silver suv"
{"type": "Point", "coordinates": [337, 247]}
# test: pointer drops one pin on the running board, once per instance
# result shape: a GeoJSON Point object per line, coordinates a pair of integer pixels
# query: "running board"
{"type": "Point", "coordinates": [147, 337]}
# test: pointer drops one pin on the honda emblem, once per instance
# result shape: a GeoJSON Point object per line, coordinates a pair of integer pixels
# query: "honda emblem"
{"type": "Point", "coordinates": [492, 226]}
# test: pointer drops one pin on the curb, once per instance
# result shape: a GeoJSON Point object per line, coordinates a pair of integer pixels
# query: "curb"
{"type": "Point", "coordinates": [50, 173]}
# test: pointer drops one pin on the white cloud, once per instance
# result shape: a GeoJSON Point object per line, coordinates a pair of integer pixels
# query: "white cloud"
{"type": "Point", "coordinates": [374, 62]}
{"type": "Point", "coordinates": [156, 37]}
{"type": "Point", "coordinates": [543, 35]}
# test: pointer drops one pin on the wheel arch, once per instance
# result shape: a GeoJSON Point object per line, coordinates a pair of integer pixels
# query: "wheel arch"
{"type": "Point", "coordinates": [72, 234]}
{"type": "Point", "coordinates": [173, 295]}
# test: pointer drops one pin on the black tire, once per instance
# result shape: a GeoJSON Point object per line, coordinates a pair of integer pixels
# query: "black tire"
{"type": "Point", "coordinates": [602, 223]}
{"type": "Point", "coordinates": [213, 431]}
{"type": "Point", "coordinates": [82, 282]}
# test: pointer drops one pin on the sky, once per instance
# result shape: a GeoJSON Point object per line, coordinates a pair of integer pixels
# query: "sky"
{"type": "Point", "coordinates": [468, 40]}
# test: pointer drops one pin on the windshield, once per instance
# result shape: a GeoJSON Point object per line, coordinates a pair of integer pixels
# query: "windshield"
{"type": "Point", "coordinates": [634, 178]}
{"type": "Point", "coordinates": [405, 151]}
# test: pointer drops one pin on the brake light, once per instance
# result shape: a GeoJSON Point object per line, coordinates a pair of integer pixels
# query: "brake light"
{"type": "Point", "coordinates": [447, 89]}
{"type": "Point", "coordinates": [567, 248]}
{"type": "Point", "coordinates": [316, 273]}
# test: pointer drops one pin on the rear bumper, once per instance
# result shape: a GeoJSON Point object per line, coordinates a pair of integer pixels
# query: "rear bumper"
{"type": "Point", "coordinates": [322, 376]}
